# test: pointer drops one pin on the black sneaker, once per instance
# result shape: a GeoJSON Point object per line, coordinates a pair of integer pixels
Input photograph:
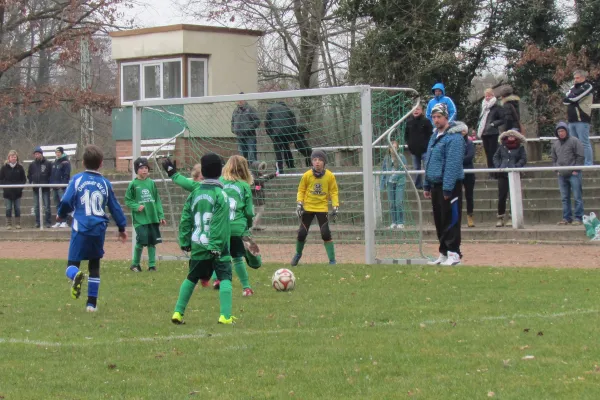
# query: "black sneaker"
{"type": "Point", "coordinates": [152, 269]}
{"type": "Point", "coordinates": [135, 268]}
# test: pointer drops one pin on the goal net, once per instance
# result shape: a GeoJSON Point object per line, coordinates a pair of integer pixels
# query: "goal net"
{"type": "Point", "coordinates": [277, 132]}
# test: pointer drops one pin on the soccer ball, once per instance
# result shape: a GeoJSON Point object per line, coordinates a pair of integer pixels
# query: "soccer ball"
{"type": "Point", "coordinates": [283, 280]}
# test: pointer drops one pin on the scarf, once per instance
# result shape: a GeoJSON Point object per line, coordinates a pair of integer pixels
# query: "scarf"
{"type": "Point", "coordinates": [485, 110]}
{"type": "Point", "coordinates": [318, 174]}
{"type": "Point", "coordinates": [511, 145]}
{"type": "Point", "coordinates": [12, 165]}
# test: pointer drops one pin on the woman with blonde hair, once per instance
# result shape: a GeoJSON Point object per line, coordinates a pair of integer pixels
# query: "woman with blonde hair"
{"type": "Point", "coordinates": [12, 173]}
{"type": "Point", "coordinates": [491, 119]}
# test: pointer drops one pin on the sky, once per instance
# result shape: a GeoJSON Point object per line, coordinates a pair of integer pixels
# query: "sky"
{"type": "Point", "coordinates": [148, 13]}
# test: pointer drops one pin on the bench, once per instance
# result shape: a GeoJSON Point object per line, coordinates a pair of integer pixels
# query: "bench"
{"type": "Point", "coordinates": [162, 147]}
{"type": "Point", "coordinates": [70, 150]}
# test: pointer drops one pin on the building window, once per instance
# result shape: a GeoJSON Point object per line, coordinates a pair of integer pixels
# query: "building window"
{"type": "Point", "coordinates": [197, 77]}
{"type": "Point", "coordinates": [155, 79]}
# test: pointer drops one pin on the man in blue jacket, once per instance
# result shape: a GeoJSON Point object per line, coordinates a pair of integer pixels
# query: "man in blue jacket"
{"type": "Point", "coordinates": [61, 173]}
{"type": "Point", "coordinates": [439, 91]}
{"type": "Point", "coordinates": [444, 177]}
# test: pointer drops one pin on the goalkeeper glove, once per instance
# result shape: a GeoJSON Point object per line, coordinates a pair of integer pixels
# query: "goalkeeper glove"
{"type": "Point", "coordinates": [215, 253]}
{"type": "Point", "coordinates": [299, 210]}
{"type": "Point", "coordinates": [170, 167]}
{"type": "Point", "coordinates": [186, 248]}
{"type": "Point", "coordinates": [334, 214]}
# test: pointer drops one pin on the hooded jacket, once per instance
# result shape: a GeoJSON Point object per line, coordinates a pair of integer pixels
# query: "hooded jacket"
{"type": "Point", "coordinates": [444, 159]}
{"type": "Point", "coordinates": [507, 158]}
{"type": "Point", "coordinates": [579, 102]}
{"type": "Point", "coordinates": [565, 152]}
{"type": "Point", "coordinates": [12, 176]}
{"type": "Point", "coordinates": [417, 134]}
{"type": "Point", "coordinates": [452, 114]}
{"type": "Point", "coordinates": [61, 170]}
{"type": "Point", "coordinates": [512, 114]}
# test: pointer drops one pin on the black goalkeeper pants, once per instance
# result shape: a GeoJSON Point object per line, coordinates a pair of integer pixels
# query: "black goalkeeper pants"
{"type": "Point", "coordinates": [306, 221]}
{"type": "Point", "coordinates": [447, 215]}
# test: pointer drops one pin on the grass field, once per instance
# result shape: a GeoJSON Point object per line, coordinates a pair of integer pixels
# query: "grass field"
{"type": "Point", "coordinates": [346, 332]}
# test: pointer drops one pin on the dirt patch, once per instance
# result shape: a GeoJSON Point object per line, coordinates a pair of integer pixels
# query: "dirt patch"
{"type": "Point", "coordinates": [485, 254]}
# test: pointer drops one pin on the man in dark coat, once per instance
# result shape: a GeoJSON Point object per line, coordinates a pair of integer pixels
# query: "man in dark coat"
{"type": "Point", "coordinates": [244, 122]}
{"type": "Point", "coordinates": [61, 173]}
{"type": "Point", "coordinates": [39, 172]}
{"type": "Point", "coordinates": [417, 134]}
{"type": "Point", "coordinates": [280, 124]}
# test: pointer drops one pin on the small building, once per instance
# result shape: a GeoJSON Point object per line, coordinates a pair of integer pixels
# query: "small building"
{"type": "Point", "coordinates": [178, 61]}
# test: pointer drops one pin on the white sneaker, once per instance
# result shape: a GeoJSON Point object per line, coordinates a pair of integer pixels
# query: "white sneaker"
{"type": "Point", "coordinates": [452, 259]}
{"type": "Point", "coordinates": [63, 225]}
{"type": "Point", "coordinates": [393, 226]}
{"type": "Point", "coordinates": [440, 260]}
{"type": "Point", "coordinates": [56, 225]}
{"type": "Point", "coordinates": [91, 309]}
{"type": "Point", "coordinates": [400, 226]}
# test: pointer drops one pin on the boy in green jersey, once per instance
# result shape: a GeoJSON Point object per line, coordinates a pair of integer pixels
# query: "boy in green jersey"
{"type": "Point", "coordinates": [205, 232]}
{"type": "Point", "coordinates": [147, 214]}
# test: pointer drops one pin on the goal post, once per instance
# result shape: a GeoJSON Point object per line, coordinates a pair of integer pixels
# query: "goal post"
{"type": "Point", "coordinates": [353, 125]}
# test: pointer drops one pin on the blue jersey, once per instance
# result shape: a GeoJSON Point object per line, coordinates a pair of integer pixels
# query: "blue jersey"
{"type": "Point", "coordinates": [88, 195]}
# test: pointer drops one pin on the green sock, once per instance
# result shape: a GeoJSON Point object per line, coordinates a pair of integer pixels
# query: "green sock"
{"type": "Point", "coordinates": [185, 292]}
{"type": "Point", "coordinates": [241, 272]}
{"type": "Point", "coordinates": [214, 276]}
{"type": "Point", "coordinates": [137, 254]}
{"type": "Point", "coordinates": [330, 250]}
{"type": "Point", "coordinates": [152, 256]}
{"type": "Point", "coordinates": [299, 246]}
{"type": "Point", "coordinates": [225, 298]}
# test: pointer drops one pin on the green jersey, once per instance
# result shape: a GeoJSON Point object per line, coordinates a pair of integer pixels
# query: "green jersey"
{"type": "Point", "coordinates": [185, 183]}
{"type": "Point", "coordinates": [241, 210]}
{"type": "Point", "coordinates": [144, 193]}
{"type": "Point", "coordinates": [205, 221]}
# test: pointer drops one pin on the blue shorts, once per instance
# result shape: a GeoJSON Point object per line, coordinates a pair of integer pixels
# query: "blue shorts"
{"type": "Point", "coordinates": [85, 247]}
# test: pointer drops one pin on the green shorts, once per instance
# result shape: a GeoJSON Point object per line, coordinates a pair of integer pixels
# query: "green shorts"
{"type": "Point", "coordinates": [203, 269]}
{"type": "Point", "coordinates": [148, 235]}
{"type": "Point", "coordinates": [236, 247]}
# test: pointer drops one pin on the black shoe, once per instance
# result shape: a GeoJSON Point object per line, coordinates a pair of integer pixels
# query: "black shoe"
{"type": "Point", "coordinates": [152, 269]}
{"type": "Point", "coordinates": [135, 268]}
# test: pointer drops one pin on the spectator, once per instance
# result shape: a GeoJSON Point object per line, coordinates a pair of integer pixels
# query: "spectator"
{"type": "Point", "coordinates": [510, 154]}
{"type": "Point", "coordinates": [244, 123]}
{"type": "Point", "coordinates": [566, 151]}
{"type": "Point", "coordinates": [395, 184]}
{"type": "Point", "coordinates": [280, 124]}
{"type": "Point", "coordinates": [417, 134]}
{"type": "Point", "coordinates": [490, 120]}
{"type": "Point", "coordinates": [61, 173]}
{"type": "Point", "coordinates": [469, 181]}
{"type": "Point", "coordinates": [39, 173]}
{"type": "Point", "coordinates": [299, 139]}
{"type": "Point", "coordinates": [512, 114]}
{"type": "Point", "coordinates": [439, 92]}
{"type": "Point", "coordinates": [443, 184]}
{"type": "Point", "coordinates": [12, 173]}
{"type": "Point", "coordinates": [261, 177]}
{"type": "Point", "coordinates": [579, 109]}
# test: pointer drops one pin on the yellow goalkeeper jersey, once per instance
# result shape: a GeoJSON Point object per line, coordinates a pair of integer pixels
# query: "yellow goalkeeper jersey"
{"type": "Point", "coordinates": [315, 192]}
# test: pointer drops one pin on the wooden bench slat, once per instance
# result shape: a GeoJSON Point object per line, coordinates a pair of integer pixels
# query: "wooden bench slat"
{"type": "Point", "coordinates": [150, 149]}
{"type": "Point", "coordinates": [155, 141]}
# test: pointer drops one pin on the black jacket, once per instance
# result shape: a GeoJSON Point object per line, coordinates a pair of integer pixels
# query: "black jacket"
{"type": "Point", "coordinates": [495, 119]}
{"type": "Point", "coordinates": [61, 170]}
{"type": "Point", "coordinates": [512, 115]}
{"type": "Point", "coordinates": [579, 101]}
{"type": "Point", "coordinates": [417, 134]}
{"type": "Point", "coordinates": [507, 158]}
{"type": "Point", "coordinates": [39, 172]}
{"type": "Point", "coordinates": [280, 120]}
{"type": "Point", "coordinates": [12, 176]}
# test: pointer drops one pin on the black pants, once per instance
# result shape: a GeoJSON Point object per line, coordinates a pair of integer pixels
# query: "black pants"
{"type": "Point", "coordinates": [281, 145]}
{"type": "Point", "coordinates": [306, 221]}
{"type": "Point", "coordinates": [302, 146]}
{"type": "Point", "coordinates": [447, 215]}
{"type": "Point", "coordinates": [490, 145]}
{"type": "Point", "coordinates": [469, 183]}
{"type": "Point", "coordinates": [502, 192]}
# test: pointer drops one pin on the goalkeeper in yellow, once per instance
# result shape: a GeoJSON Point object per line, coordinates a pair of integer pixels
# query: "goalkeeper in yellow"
{"type": "Point", "coordinates": [316, 188]}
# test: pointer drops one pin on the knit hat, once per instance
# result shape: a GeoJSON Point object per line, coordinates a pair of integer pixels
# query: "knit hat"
{"type": "Point", "coordinates": [60, 149]}
{"type": "Point", "coordinates": [440, 108]}
{"type": "Point", "coordinates": [38, 149]}
{"type": "Point", "coordinates": [140, 162]}
{"type": "Point", "coordinates": [506, 91]}
{"type": "Point", "coordinates": [211, 166]}
{"type": "Point", "coordinates": [320, 154]}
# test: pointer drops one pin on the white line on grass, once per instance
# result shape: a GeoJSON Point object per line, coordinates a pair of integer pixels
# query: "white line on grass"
{"type": "Point", "coordinates": [236, 332]}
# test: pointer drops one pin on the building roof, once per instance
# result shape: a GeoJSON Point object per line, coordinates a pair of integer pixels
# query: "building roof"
{"type": "Point", "coordinates": [185, 27]}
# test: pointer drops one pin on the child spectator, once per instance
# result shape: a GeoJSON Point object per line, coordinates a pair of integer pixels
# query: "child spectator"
{"type": "Point", "coordinates": [147, 214]}
{"type": "Point", "coordinates": [257, 169]}
{"type": "Point", "coordinates": [13, 173]}
{"type": "Point", "coordinates": [209, 252]}
{"type": "Point", "coordinates": [510, 154]}
{"type": "Point", "coordinates": [316, 188]}
{"type": "Point", "coordinates": [87, 196]}
{"type": "Point", "coordinates": [395, 184]}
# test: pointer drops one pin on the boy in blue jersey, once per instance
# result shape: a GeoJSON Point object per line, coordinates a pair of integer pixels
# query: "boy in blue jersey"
{"type": "Point", "coordinates": [87, 196]}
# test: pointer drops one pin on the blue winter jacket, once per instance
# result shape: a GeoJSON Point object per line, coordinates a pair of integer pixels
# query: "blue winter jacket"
{"type": "Point", "coordinates": [444, 159]}
{"type": "Point", "coordinates": [61, 170]}
{"type": "Point", "coordinates": [441, 99]}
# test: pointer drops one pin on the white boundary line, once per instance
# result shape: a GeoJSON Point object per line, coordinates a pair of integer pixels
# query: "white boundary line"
{"type": "Point", "coordinates": [201, 334]}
